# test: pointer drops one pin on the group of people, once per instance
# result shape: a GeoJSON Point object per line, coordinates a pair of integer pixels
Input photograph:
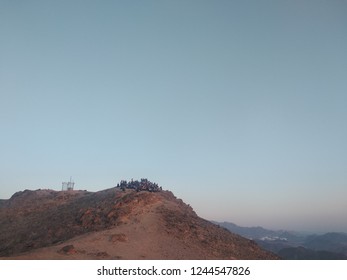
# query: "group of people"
{"type": "Point", "coordinates": [142, 185]}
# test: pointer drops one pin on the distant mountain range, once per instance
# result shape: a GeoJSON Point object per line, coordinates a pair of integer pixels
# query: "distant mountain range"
{"type": "Point", "coordinates": [2, 202]}
{"type": "Point", "coordinates": [293, 245]}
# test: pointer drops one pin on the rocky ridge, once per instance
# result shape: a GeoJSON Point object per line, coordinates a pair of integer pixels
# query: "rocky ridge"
{"type": "Point", "coordinates": [113, 224]}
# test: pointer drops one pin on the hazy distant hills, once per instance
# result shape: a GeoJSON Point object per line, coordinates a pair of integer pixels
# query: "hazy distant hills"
{"type": "Point", "coordinates": [333, 241]}
{"type": "Point", "coordinates": [261, 233]}
{"type": "Point", "coordinates": [2, 202]}
{"type": "Point", "coordinates": [294, 245]}
{"type": "Point", "coordinates": [113, 224]}
{"type": "Point", "coordinates": [302, 253]}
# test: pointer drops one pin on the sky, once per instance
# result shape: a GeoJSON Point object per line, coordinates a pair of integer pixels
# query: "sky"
{"type": "Point", "coordinates": [237, 107]}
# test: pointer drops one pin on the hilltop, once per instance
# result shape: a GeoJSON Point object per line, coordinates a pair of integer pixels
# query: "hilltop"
{"type": "Point", "coordinates": [117, 223]}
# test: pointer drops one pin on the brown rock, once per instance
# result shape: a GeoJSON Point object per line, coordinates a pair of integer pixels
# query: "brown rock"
{"type": "Point", "coordinates": [121, 237]}
{"type": "Point", "coordinates": [68, 250]}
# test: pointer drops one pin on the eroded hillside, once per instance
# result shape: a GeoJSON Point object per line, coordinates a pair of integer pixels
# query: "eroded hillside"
{"type": "Point", "coordinates": [113, 224]}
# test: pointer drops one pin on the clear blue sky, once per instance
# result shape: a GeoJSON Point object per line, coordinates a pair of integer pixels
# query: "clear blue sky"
{"type": "Point", "coordinates": [238, 107]}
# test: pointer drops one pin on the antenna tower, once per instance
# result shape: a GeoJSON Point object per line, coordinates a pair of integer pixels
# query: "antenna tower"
{"type": "Point", "coordinates": [68, 186]}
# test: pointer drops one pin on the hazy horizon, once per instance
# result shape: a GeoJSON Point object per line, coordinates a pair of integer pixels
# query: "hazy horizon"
{"type": "Point", "coordinates": [239, 108]}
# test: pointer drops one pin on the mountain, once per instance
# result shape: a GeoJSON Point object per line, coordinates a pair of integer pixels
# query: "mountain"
{"type": "Point", "coordinates": [248, 232]}
{"type": "Point", "coordinates": [117, 223]}
{"type": "Point", "coordinates": [262, 234]}
{"type": "Point", "coordinates": [292, 245]}
{"type": "Point", "coordinates": [332, 241]}
{"type": "Point", "coordinates": [302, 253]}
{"type": "Point", "coordinates": [2, 202]}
